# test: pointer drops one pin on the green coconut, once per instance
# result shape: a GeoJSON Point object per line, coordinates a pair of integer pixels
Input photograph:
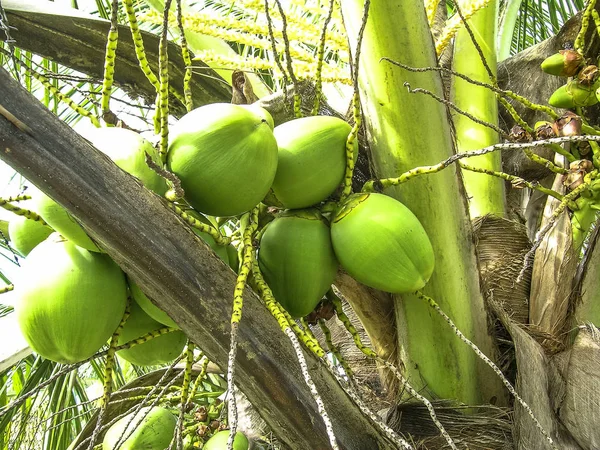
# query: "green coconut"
{"type": "Point", "coordinates": [149, 429]}
{"type": "Point", "coordinates": [61, 220]}
{"type": "Point", "coordinates": [573, 94]}
{"type": "Point", "coordinates": [234, 258]}
{"type": "Point", "coordinates": [297, 260]}
{"type": "Point", "coordinates": [69, 300]}
{"type": "Point", "coordinates": [159, 350]}
{"type": "Point", "coordinates": [220, 250]}
{"type": "Point", "coordinates": [149, 308]}
{"type": "Point", "coordinates": [25, 234]}
{"type": "Point", "coordinates": [381, 243]}
{"type": "Point", "coordinates": [225, 156]}
{"type": "Point", "coordinates": [312, 160]}
{"type": "Point", "coordinates": [219, 441]}
{"type": "Point", "coordinates": [565, 63]}
{"type": "Point", "coordinates": [128, 150]}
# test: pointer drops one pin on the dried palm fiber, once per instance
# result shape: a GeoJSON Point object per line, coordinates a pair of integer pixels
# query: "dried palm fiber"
{"type": "Point", "coordinates": [365, 371]}
{"type": "Point", "coordinates": [576, 387]}
{"type": "Point", "coordinates": [536, 385]}
{"type": "Point", "coordinates": [554, 270]}
{"type": "Point", "coordinates": [501, 245]}
{"type": "Point", "coordinates": [482, 428]}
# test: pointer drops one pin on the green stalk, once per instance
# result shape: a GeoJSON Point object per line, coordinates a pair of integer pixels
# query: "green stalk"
{"type": "Point", "coordinates": [409, 130]}
{"type": "Point", "coordinates": [486, 194]}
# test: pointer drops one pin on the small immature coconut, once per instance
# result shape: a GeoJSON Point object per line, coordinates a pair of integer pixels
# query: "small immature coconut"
{"type": "Point", "coordinates": [225, 156]}
{"type": "Point", "coordinates": [312, 159]}
{"type": "Point", "coordinates": [573, 94]}
{"type": "Point", "coordinates": [24, 233]}
{"type": "Point", "coordinates": [149, 308]}
{"type": "Point", "coordinates": [297, 260]}
{"type": "Point", "coordinates": [381, 243]}
{"type": "Point", "coordinates": [61, 220]}
{"type": "Point", "coordinates": [70, 300]}
{"type": "Point", "coordinates": [219, 441]}
{"type": "Point", "coordinates": [565, 63]}
{"type": "Point", "coordinates": [149, 429]}
{"type": "Point", "coordinates": [128, 150]}
{"type": "Point", "coordinates": [159, 350]}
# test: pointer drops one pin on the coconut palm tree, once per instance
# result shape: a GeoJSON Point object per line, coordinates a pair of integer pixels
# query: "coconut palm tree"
{"type": "Point", "coordinates": [511, 299]}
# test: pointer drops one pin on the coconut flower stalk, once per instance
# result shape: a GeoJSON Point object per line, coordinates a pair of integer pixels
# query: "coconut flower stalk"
{"type": "Point", "coordinates": [486, 194]}
{"type": "Point", "coordinates": [407, 130]}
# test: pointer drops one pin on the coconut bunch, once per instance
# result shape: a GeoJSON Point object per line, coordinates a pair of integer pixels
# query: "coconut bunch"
{"type": "Point", "coordinates": [230, 158]}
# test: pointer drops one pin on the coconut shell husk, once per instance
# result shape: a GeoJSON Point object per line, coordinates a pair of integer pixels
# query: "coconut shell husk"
{"type": "Point", "coordinates": [537, 387]}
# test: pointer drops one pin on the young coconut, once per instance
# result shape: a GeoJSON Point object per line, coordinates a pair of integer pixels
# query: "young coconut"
{"type": "Point", "coordinates": [128, 150]}
{"type": "Point", "coordinates": [381, 243]}
{"type": "Point", "coordinates": [159, 350]}
{"type": "Point", "coordinates": [61, 220]}
{"type": "Point", "coordinates": [312, 159]}
{"type": "Point", "coordinates": [573, 94]}
{"type": "Point", "coordinates": [69, 300]}
{"type": "Point", "coordinates": [297, 260]}
{"type": "Point", "coordinates": [150, 429]}
{"type": "Point", "coordinates": [219, 441]}
{"type": "Point", "coordinates": [225, 156]}
{"type": "Point", "coordinates": [25, 234]}
{"type": "Point", "coordinates": [148, 307]}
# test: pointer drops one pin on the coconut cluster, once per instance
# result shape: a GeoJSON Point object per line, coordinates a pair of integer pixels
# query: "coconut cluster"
{"type": "Point", "coordinates": [229, 159]}
{"type": "Point", "coordinates": [237, 159]}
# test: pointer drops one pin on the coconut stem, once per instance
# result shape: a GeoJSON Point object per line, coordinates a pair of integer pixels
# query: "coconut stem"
{"type": "Point", "coordinates": [163, 71]}
{"type": "Point", "coordinates": [391, 434]}
{"type": "Point", "coordinates": [567, 199]}
{"type": "Point", "coordinates": [138, 43]}
{"type": "Point", "coordinates": [250, 221]}
{"type": "Point", "coordinates": [214, 233]}
{"type": "Point", "coordinates": [313, 389]}
{"type": "Point", "coordinates": [489, 362]}
{"type": "Point", "coordinates": [110, 58]}
{"type": "Point", "coordinates": [126, 430]}
{"type": "Point", "coordinates": [185, 390]}
{"type": "Point", "coordinates": [281, 315]}
{"type": "Point", "coordinates": [320, 57]}
{"type": "Point", "coordinates": [198, 379]}
{"type": "Point", "coordinates": [6, 204]}
{"type": "Point", "coordinates": [375, 185]}
{"type": "Point", "coordinates": [185, 54]}
{"type": "Point", "coordinates": [7, 288]}
{"type": "Point", "coordinates": [517, 182]}
{"type": "Point", "coordinates": [585, 22]}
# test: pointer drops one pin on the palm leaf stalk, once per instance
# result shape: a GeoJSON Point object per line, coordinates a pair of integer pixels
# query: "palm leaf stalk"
{"type": "Point", "coordinates": [394, 119]}
{"type": "Point", "coordinates": [475, 57]}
